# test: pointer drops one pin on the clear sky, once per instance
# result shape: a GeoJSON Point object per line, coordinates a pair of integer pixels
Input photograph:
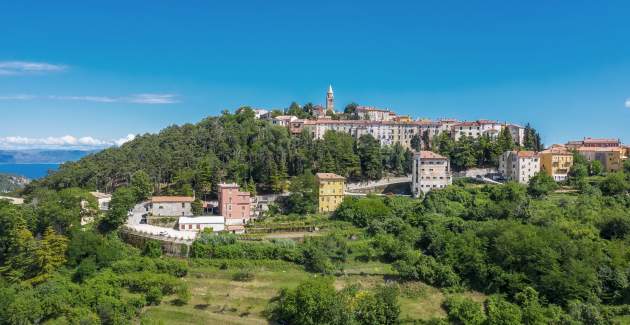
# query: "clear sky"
{"type": "Point", "coordinates": [102, 70]}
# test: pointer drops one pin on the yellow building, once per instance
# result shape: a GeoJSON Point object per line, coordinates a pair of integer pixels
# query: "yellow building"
{"type": "Point", "coordinates": [556, 161]}
{"type": "Point", "coordinates": [330, 191]}
{"type": "Point", "coordinates": [611, 157]}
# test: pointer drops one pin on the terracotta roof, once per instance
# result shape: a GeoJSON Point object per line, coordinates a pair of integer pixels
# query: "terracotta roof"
{"type": "Point", "coordinates": [475, 123]}
{"type": "Point", "coordinates": [173, 199]}
{"type": "Point", "coordinates": [425, 154]}
{"type": "Point", "coordinates": [599, 149]}
{"type": "Point", "coordinates": [527, 154]}
{"type": "Point", "coordinates": [595, 140]}
{"type": "Point", "coordinates": [329, 176]}
{"type": "Point", "coordinates": [557, 149]}
{"type": "Point", "coordinates": [371, 108]}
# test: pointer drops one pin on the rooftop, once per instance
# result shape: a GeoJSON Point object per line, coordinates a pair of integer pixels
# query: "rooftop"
{"type": "Point", "coordinates": [600, 140]}
{"type": "Point", "coordinates": [329, 176]}
{"type": "Point", "coordinates": [527, 154]}
{"type": "Point", "coordinates": [599, 149]}
{"type": "Point", "coordinates": [204, 219]}
{"type": "Point", "coordinates": [172, 199]}
{"type": "Point", "coordinates": [425, 154]}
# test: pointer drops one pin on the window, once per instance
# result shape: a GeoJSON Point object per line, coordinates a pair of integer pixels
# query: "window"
{"type": "Point", "coordinates": [183, 205]}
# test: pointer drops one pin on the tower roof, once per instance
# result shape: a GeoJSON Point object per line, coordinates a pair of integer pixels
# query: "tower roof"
{"type": "Point", "coordinates": [330, 91]}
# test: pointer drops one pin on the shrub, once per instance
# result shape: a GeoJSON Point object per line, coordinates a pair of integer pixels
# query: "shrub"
{"type": "Point", "coordinates": [154, 296]}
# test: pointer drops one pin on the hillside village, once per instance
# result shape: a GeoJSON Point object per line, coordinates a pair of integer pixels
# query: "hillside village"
{"type": "Point", "coordinates": [235, 208]}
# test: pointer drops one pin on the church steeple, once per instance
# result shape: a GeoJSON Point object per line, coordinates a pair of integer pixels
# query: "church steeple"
{"type": "Point", "coordinates": [330, 100]}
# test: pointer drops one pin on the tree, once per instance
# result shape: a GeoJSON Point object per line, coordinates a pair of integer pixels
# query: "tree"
{"type": "Point", "coordinates": [614, 183]}
{"type": "Point", "coordinates": [152, 248]}
{"type": "Point", "coordinates": [596, 168]}
{"type": "Point", "coordinates": [369, 150]}
{"type": "Point", "coordinates": [142, 185]}
{"type": "Point", "coordinates": [122, 201]}
{"type": "Point", "coordinates": [505, 141]}
{"type": "Point", "coordinates": [197, 207]}
{"type": "Point", "coordinates": [502, 312]}
{"type": "Point", "coordinates": [416, 142]}
{"type": "Point", "coordinates": [350, 111]}
{"type": "Point", "coordinates": [464, 311]}
{"type": "Point", "coordinates": [541, 184]}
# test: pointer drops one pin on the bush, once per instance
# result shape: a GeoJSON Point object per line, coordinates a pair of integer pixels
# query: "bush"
{"type": "Point", "coordinates": [243, 276]}
{"type": "Point", "coordinates": [464, 311]}
{"type": "Point", "coordinates": [154, 296]}
{"type": "Point", "coordinates": [152, 248]}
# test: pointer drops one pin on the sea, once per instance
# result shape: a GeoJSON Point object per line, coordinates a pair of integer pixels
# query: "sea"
{"type": "Point", "coordinates": [31, 171]}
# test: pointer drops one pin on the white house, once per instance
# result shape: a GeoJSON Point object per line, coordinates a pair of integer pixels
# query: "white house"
{"type": "Point", "coordinates": [216, 223]}
{"type": "Point", "coordinates": [519, 166]}
{"type": "Point", "coordinates": [429, 171]}
{"type": "Point", "coordinates": [103, 200]}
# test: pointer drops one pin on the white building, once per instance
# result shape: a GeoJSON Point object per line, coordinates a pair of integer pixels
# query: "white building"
{"type": "Point", "coordinates": [476, 129]}
{"type": "Point", "coordinates": [374, 114]}
{"type": "Point", "coordinates": [103, 200]}
{"type": "Point", "coordinates": [283, 120]}
{"type": "Point", "coordinates": [12, 200]}
{"type": "Point", "coordinates": [216, 223]}
{"type": "Point", "coordinates": [429, 171]}
{"type": "Point", "coordinates": [517, 132]}
{"type": "Point", "coordinates": [519, 166]}
{"type": "Point", "coordinates": [171, 206]}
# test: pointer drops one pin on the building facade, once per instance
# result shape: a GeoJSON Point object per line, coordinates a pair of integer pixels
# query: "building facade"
{"type": "Point", "coordinates": [429, 171]}
{"type": "Point", "coordinates": [519, 166]}
{"type": "Point", "coordinates": [611, 158]}
{"type": "Point", "coordinates": [330, 191]}
{"type": "Point", "coordinates": [593, 143]}
{"type": "Point", "coordinates": [234, 206]}
{"type": "Point", "coordinates": [374, 114]}
{"type": "Point", "coordinates": [216, 223]}
{"type": "Point", "coordinates": [171, 206]}
{"type": "Point", "coordinates": [556, 161]}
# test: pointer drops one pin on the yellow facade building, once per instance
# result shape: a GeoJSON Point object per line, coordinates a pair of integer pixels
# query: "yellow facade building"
{"type": "Point", "coordinates": [611, 158]}
{"type": "Point", "coordinates": [330, 191]}
{"type": "Point", "coordinates": [556, 162]}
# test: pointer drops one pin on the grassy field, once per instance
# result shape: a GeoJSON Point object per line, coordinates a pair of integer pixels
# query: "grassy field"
{"type": "Point", "coordinates": [217, 298]}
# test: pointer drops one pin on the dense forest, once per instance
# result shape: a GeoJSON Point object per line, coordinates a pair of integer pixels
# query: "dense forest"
{"type": "Point", "coordinates": [232, 147]}
{"type": "Point", "coordinates": [194, 158]}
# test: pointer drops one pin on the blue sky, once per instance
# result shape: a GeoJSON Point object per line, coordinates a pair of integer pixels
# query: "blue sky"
{"type": "Point", "coordinates": [97, 72]}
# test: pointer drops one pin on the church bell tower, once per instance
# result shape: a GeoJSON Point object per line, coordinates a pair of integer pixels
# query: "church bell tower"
{"type": "Point", "coordinates": [330, 100]}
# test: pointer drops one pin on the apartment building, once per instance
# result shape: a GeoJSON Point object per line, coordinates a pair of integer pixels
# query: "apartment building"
{"type": "Point", "coordinates": [234, 206]}
{"type": "Point", "coordinates": [429, 171]}
{"type": "Point", "coordinates": [593, 143]}
{"type": "Point", "coordinates": [611, 158]}
{"type": "Point", "coordinates": [476, 129]}
{"type": "Point", "coordinates": [374, 114]}
{"type": "Point", "coordinates": [331, 188]}
{"type": "Point", "coordinates": [556, 161]}
{"type": "Point", "coordinates": [519, 166]}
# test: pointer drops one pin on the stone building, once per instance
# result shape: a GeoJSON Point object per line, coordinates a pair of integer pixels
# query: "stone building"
{"type": "Point", "coordinates": [611, 158]}
{"type": "Point", "coordinates": [330, 100]}
{"type": "Point", "coordinates": [519, 166]}
{"type": "Point", "coordinates": [330, 193]}
{"type": "Point", "coordinates": [429, 171]}
{"type": "Point", "coordinates": [171, 206]}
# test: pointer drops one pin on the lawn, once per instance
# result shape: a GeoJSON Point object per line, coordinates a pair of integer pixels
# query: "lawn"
{"type": "Point", "coordinates": [216, 298]}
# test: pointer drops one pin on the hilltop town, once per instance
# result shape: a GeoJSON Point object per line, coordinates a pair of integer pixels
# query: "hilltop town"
{"type": "Point", "coordinates": [232, 218]}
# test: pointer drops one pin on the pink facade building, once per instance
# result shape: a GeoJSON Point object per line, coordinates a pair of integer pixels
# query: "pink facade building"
{"type": "Point", "coordinates": [234, 206]}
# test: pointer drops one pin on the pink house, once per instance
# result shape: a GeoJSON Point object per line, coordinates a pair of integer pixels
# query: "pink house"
{"type": "Point", "coordinates": [234, 206]}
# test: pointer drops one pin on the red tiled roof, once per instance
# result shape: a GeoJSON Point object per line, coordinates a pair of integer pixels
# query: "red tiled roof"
{"type": "Point", "coordinates": [599, 149]}
{"type": "Point", "coordinates": [527, 154]}
{"type": "Point", "coordinates": [371, 108]}
{"type": "Point", "coordinates": [172, 199]}
{"type": "Point", "coordinates": [329, 176]}
{"type": "Point", "coordinates": [601, 140]}
{"type": "Point", "coordinates": [425, 154]}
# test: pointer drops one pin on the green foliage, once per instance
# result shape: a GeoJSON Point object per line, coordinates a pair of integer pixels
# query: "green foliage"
{"type": "Point", "coordinates": [541, 184]}
{"type": "Point", "coordinates": [615, 183]}
{"type": "Point", "coordinates": [316, 301]}
{"type": "Point", "coordinates": [464, 311]}
{"type": "Point", "coordinates": [501, 312]}
{"type": "Point", "coordinates": [197, 207]}
{"type": "Point", "coordinates": [142, 185]}
{"type": "Point", "coordinates": [122, 201]}
{"type": "Point", "coordinates": [361, 211]}
{"type": "Point", "coordinates": [596, 168]}
{"type": "Point", "coordinates": [152, 248]}
{"type": "Point", "coordinates": [416, 266]}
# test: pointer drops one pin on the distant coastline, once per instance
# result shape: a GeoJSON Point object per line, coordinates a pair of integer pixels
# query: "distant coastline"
{"type": "Point", "coordinates": [28, 170]}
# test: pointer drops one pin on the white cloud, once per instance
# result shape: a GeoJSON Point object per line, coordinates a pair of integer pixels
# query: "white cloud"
{"type": "Point", "coordinates": [628, 103]}
{"type": "Point", "coordinates": [154, 99]}
{"type": "Point", "coordinates": [98, 99]}
{"type": "Point", "coordinates": [63, 142]}
{"type": "Point", "coordinates": [12, 68]}
{"type": "Point", "coordinates": [17, 97]}
{"type": "Point", "coordinates": [145, 99]}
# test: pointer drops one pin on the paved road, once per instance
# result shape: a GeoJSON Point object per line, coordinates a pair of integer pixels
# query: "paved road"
{"type": "Point", "coordinates": [382, 182]}
{"type": "Point", "coordinates": [155, 232]}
